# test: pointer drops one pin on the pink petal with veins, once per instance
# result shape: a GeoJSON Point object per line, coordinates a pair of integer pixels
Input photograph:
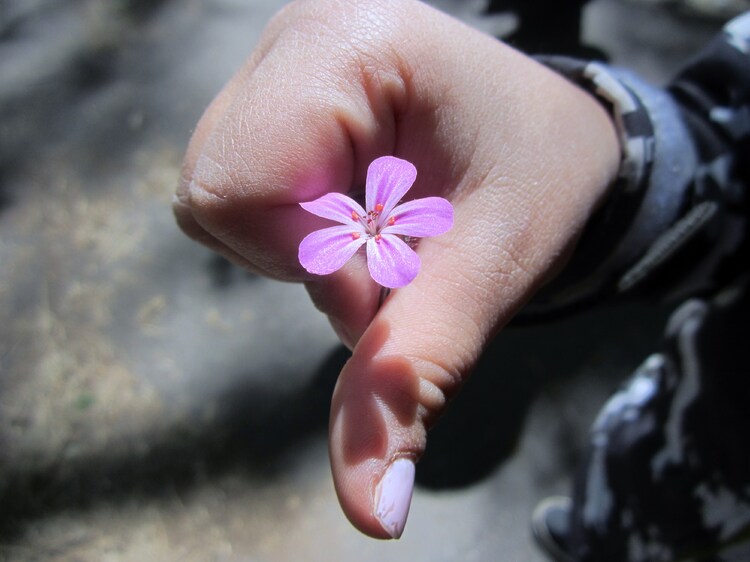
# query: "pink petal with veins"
{"type": "Point", "coordinates": [336, 207]}
{"type": "Point", "coordinates": [325, 251]}
{"type": "Point", "coordinates": [391, 262]}
{"type": "Point", "coordinates": [388, 180]}
{"type": "Point", "coordinates": [430, 216]}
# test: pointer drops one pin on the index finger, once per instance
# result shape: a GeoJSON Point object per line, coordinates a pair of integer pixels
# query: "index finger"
{"type": "Point", "coordinates": [298, 124]}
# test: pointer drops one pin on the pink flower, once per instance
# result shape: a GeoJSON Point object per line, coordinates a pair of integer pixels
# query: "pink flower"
{"type": "Point", "coordinates": [392, 263]}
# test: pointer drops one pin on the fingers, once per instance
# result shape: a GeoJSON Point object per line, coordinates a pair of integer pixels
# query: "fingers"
{"type": "Point", "coordinates": [306, 116]}
{"type": "Point", "coordinates": [304, 120]}
{"type": "Point", "coordinates": [207, 125]}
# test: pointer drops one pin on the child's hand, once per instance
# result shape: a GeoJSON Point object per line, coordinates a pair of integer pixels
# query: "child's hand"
{"type": "Point", "coordinates": [523, 155]}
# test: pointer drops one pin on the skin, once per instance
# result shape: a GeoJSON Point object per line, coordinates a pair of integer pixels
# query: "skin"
{"type": "Point", "coordinates": [524, 156]}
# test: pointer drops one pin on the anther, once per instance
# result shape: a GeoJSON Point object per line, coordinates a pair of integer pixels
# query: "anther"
{"type": "Point", "coordinates": [392, 221]}
{"type": "Point", "coordinates": [355, 215]}
{"type": "Point", "coordinates": [355, 235]}
{"type": "Point", "coordinates": [379, 207]}
{"type": "Point", "coordinates": [377, 237]}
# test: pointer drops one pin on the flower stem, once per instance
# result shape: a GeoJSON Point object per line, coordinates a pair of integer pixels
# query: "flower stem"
{"type": "Point", "coordinates": [384, 292]}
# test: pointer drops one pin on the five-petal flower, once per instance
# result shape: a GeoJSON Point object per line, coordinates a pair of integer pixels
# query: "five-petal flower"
{"type": "Point", "coordinates": [392, 263]}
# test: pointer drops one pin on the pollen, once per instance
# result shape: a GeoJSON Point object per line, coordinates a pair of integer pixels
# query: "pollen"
{"type": "Point", "coordinates": [379, 207]}
{"type": "Point", "coordinates": [355, 216]}
{"type": "Point", "coordinates": [378, 237]}
{"type": "Point", "coordinates": [355, 235]}
{"type": "Point", "coordinates": [391, 221]}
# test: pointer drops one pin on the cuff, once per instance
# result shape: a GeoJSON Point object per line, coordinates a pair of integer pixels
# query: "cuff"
{"type": "Point", "coordinates": [658, 164]}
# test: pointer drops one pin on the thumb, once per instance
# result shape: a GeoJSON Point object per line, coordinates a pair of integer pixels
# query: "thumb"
{"type": "Point", "coordinates": [413, 357]}
{"type": "Point", "coordinates": [510, 234]}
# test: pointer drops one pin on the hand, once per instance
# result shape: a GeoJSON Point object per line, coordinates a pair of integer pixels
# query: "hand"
{"type": "Point", "coordinates": [524, 156]}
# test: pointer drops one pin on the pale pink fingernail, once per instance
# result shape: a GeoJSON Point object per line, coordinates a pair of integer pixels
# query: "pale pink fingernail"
{"type": "Point", "coordinates": [393, 496]}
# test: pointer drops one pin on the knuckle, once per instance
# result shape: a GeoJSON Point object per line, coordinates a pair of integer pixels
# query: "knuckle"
{"type": "Point", "coordinates": [216, 181]}
{"type": "Point", "coordinates": [439, 379]}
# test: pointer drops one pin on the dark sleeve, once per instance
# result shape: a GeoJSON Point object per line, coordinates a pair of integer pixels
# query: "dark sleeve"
{"type": "Point", "coordinates": [675, 223]}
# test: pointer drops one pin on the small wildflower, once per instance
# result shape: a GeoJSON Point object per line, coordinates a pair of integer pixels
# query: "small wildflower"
{"type": "Point", "coordinates": [381, 226]}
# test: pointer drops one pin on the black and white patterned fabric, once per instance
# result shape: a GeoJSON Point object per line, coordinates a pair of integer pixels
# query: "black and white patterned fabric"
{"type": "Point", "coordinates": [667, 472]}
{"type": "Point", "coordinates": [675, 224]}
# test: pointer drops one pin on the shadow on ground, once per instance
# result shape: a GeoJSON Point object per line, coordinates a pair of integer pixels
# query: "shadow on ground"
{"type": "Point", "coordinates": [254, 430]}
{"type": "Point", "coordinates": [257, 426]}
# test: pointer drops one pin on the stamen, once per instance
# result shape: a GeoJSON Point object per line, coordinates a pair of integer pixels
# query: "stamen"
{"type": "Point", "coordinates": [391, 221]}
{"type": "Point", "coordinates": [377, 237]}
{"type": "Point", "coordinates": [379, 207]}
{"type": "Point", "coordinates": [355, 216]}
{"type": "Point", "coordinates": [355, 235]}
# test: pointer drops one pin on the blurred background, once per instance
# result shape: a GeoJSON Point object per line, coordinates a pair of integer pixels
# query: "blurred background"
{"type": "Point", "coordinates": [158, 403]}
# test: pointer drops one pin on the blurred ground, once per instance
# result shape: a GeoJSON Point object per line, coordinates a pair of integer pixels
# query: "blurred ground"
{"type": "Point", "coordinates": [156, 403]}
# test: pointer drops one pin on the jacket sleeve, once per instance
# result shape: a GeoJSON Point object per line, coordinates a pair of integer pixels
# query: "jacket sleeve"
{"type": "Point", "coordinates": [675, 223]}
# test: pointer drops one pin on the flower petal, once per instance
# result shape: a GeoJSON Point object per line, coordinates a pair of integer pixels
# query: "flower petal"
{"type": "Point", "coordinates": [334, 206]}
{"type": "Point", "coordinates": [388, 179]}
{"type": "Point", "coordinates": [421, 217]}
{"type": "Point", "coordinates": [391, 262]}
{"type": "Point", "coordinates": [324, 251]}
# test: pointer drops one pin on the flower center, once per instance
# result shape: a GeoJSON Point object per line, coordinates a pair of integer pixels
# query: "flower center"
{"type": "Point", "coordinates": [371, 222]}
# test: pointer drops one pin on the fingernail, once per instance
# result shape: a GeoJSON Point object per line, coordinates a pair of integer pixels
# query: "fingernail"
{"type": "Point", "coordinates": [393, 496]}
